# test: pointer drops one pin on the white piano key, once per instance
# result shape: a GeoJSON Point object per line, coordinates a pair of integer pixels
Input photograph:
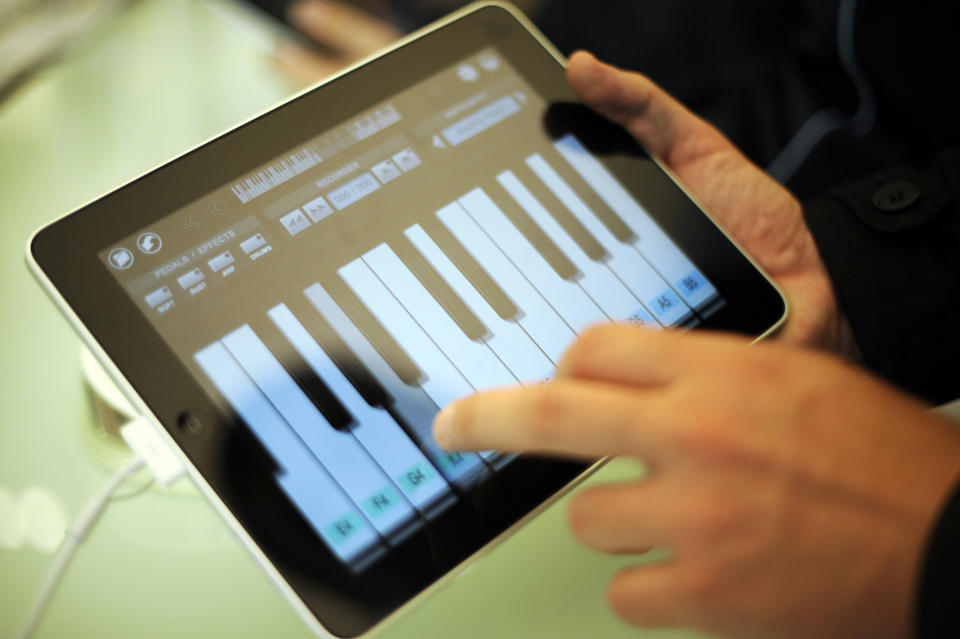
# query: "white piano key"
{"type": "Point", "coordinates": [568, 299]}
{"type": "Point", "coordinates": [308, 497]}
{"type": "Point", "coordinates": [599, 282]}
{"type": "Point", "coordinates": [665, 256]}
{"type": "Point", "coordinates": [412, 404]}
{"type": "Point", "coordinates": [475, 361]}
{"type": "Point", "coordinates": [444, 383]}
{"type": "Point", "coordinates": [697, 290]}
{"type": "Point", "coordinates": [625, 261]}
{"type": "Point", "coordinates": [302, 478]}
{"type": "Point", "coordinates": [509, 341]}
{"type": "Point", "coordinates": [339, 452]}
{"type": "Point", "coordinates": [539, 320]}
{"type": "Point", "coordinates": [642, 317]}
{"type": "Point", "coordinates": [376, 430]}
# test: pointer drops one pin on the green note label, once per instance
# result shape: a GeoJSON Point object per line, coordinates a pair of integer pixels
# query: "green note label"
{"type": "Point", "coordinates": [381, 502]}
{"type": "Point", "coordinates": [416, 477]}
{"type": "Point", "coordinates": [345, 527]}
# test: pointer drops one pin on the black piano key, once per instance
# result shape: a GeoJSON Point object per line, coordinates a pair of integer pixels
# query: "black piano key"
{"type": "Point", "coordinates": [604, 213]}
{"type": "Point", "coordinates": [343, 356]}
{"type": "Point", "coordinates": [470, 324]}
{"type": "Point", "coordinates": [495, 296]}
{"type": "Point", "coordinates": [405, 368]}
{"type": "Point", "coordinates": [314, 387]}
{"type": "Point", "coordinates": [242, 443]}
{"type": "Point", "coordinates": [556, 258]}
{"type": "Point", "coordinates": [574, 228]}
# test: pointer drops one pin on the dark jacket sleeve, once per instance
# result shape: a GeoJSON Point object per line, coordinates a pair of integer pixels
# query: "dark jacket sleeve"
{"type": "Point", "coordinates": [891, 243]}
{"type": "Point", "coordinates": [937, 611]}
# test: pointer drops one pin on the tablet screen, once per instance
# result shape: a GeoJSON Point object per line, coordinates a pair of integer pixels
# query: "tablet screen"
{"type": "Point", "coordinates": [441, 243]}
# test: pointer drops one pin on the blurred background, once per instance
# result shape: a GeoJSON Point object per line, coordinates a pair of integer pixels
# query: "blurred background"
{"type": "Point", "coordinates": [757, 69]}
{"type": "Point", "coordinates": [817, 91]}
{"type": "Point", "coordinates": [95, 92]}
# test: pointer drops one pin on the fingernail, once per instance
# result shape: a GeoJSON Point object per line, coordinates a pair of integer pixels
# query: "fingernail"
{"type": "Point", "coordinates": [443, 427]}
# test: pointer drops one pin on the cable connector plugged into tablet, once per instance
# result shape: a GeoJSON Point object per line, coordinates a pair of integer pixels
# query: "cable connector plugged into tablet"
{"type": "Point", "coordinates": [144, 440]}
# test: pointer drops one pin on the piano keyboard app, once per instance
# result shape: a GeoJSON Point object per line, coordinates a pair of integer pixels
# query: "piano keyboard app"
{"type": "Point", "coordinates": [462, 249]}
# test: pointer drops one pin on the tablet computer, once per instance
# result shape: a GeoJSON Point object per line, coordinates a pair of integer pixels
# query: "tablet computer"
{"type": "Point", "coordinates": [294, 300]}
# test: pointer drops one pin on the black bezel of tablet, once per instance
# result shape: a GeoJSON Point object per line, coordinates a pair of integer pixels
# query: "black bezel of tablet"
{"type": "Point", "coordinates": [345, 603]}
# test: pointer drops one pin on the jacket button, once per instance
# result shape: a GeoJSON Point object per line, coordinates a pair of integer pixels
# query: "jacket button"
{"type": "Point", "coordinates": [896, 196]}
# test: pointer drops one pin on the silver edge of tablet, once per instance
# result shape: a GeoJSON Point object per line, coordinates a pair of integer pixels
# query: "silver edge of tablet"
{"type": "Point", "coordinates": [285, 589]}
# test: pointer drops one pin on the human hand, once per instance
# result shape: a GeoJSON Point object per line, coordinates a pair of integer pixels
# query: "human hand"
{"type": "Point", "coordinates": [348, 33]}
{"type": "Point", "coordinates": [794, 492]}
{"type": "Point", "coordinates": [758, 212]}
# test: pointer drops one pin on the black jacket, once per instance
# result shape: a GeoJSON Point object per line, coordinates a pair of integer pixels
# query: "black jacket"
{"type": "Point", "coordinates": [891, 242]}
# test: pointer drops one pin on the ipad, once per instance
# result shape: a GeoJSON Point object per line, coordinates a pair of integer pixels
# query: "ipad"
{"type": "Point", "coordinates": [294, 300]}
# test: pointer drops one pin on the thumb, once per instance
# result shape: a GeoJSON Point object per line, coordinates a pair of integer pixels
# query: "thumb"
{"type": "Point", "coordinates": [655, 118]}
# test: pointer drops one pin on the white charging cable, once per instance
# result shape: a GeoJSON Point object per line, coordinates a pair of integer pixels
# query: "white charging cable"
{"type": "Point", "coordinates": [150, 452]}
